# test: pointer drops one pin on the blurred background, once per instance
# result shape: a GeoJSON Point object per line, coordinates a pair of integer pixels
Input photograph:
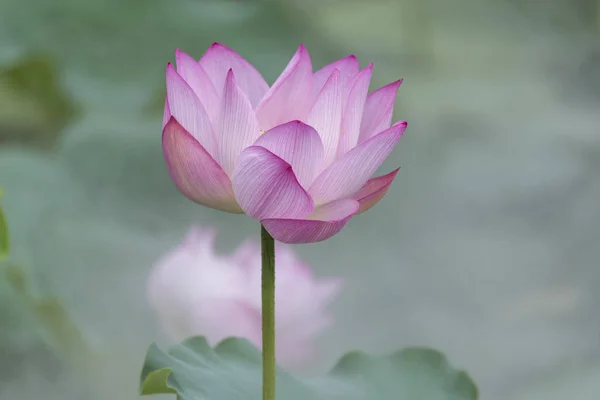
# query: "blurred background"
{"type": "Point", "coordinates": [486, 246]}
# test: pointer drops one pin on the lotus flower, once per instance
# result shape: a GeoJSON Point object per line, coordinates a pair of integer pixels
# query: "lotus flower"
{"type": "Point", "coordinates": [198, 292]}
{"type": "Point", "coordinates": [297, 156]}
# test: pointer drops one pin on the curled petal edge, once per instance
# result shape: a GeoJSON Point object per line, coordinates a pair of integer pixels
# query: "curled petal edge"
{"type": "Point", "coordinates": [373, 191]}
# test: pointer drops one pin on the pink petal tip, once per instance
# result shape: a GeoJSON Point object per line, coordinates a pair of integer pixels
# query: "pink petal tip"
{"type": "Point", "coordinates": [374, 190]}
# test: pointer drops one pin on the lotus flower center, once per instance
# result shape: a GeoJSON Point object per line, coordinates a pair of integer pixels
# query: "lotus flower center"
{"type": "Point", "coordinates": [262, 131]}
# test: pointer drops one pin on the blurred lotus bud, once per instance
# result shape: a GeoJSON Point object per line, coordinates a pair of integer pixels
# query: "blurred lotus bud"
{"type": "Point", "coordinates": [197, 292]}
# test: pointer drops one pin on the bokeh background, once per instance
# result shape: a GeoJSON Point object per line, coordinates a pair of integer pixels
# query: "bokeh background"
{"type": "Point", "coordinates": [486, 247]}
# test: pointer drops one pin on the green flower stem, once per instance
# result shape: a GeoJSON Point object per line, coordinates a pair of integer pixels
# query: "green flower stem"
{"type": "Point", "coordinates": [268, 314]}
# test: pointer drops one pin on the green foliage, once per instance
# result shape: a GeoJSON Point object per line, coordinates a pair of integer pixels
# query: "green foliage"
{"type": "Point", "coordinates": [16, 279]}
{"type": "Point", "coordinates": [34, 106]}
{"type": "Point", "coordinates": [63, 332]}
{"type": "Point", "coordinates": [232, 370]}
{"type": "Point", "coordinates": [50, 313]}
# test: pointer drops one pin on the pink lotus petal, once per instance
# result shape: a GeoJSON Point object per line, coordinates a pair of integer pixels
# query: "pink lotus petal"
{"type": "Point", "coordinates": [328, 290]}
{"type": "Point", "coordinates": [350, 172]}
{"type": "Point", "coordinates": [246, 254]}
{"type": "Point", "coordinates": [326, 115]}
{"type": "Point", "coordinates": [378, 111]}
{"type": "Point", "coordinates": [242, 321]}
{"type": "Point", "coordinates": [238, 128]}
{"type": "Point", "coordinates": [199, 81]}
{"type": "Point", "coordinates": [265, 186]}
{"type": "Point", "coordinates": [325, 222]}
{"type": "Point", "coordinates": [199, 239]}
{"type": "Point", "coordinates": [219, 59]}
{"type": "Point", "coordinates": [290, 97]}
{"type": "Point", "coordinates": [297, 144]}
{"type": "Point", "coordinates": [373, 191]}
{"type": "Point", "coordinates": [188, 110]}
{"type": "Point", "coordinates": [196, 174]}
{"type": "Point", "coordinates": [353, 110]}
{"type": "Point", "coordinates": [348, 67]}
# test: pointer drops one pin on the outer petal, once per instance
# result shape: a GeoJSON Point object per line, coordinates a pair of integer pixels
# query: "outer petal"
{"type": "Point", "coordinates": [238, 128]}
{"type": "Point", "coordinates": [219, 59]}
{"type": "Point", "coordinates": [326, 115]}
{"type": "Point", "coordinates": [194, 171]}
{"type": "Point", "coordinates": [266, 187]}
{"type": "Point", "coordinates": [348, 67]}
{"type": "Point", "coordinates": [373, 191]}
{"type": "Point", "coordinates": [325, 222]}
{"type": "Point", "coordinates": [290, 97]}
{"type": "Point", "coordinates": [198, 80]}
{"type": "Point", "coordinates": [188, 110]}
{"type": "Point", "coordinates": [349, 173]}
{"type": "Point", "coordinates": [297, 144]}
{"type": "Point", "coordinates": [353, 110]}
{"type": "Point", "coordinates": [378, 111]}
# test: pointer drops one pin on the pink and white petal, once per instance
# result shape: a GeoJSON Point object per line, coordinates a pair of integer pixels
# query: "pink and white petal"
{"type": "Point", "coordinates": [325, 222]}
{"type": "Point", "coordinates": [220, 318]}
{"type": "Point", "coordinates": [350, 172]}
{"type": "Point", "coordinates": [353, 110]}
{"type": "Point", "coordinates": [373, 191]}
{"type": "Point", "coordinates": [247, 255]}
{"type": "Point", "coordinates": [265, 186]}
{"type": "Point", "coordinates": [195, 173]}
{"type": "Point", "coordinates": [188, 110]}
{"type": "Point", "coordinates": [297, 144]}
{"type": "Point", "coordinates": [290, 97]}
{"type": "Point", "coordinates": [199, 237]}
{"type": "Point", "coordinates": [219, 59]}
{"type": "Point", "coordinates": [326, 115]}
{"type": "Point", "coordinates": [327, 290]}
{"type": "Point", "coordinates": [199, 81]}
{"type": "Point", "coordinates": [348, 67]}
{"type": "Point", "coordinates": [377, 115]}
{"type": "Point", "coordinates": [237, 128]}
